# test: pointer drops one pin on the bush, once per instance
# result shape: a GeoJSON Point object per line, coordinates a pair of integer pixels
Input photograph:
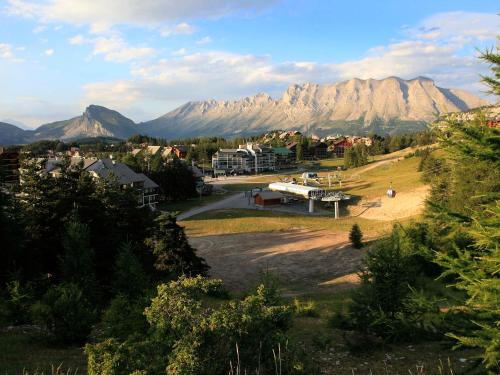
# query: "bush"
{"type": "Point", "coordinates": [387, 304]}
{"type": "Point", "coordinates": [191, 333]}
{"type": "Point", "coordinates": [356, 237]}
{"type": "Point", "coordinates": [123, 317]}
{"type": "Point", "coordinates": [66, 313]}
{"type": "Point", "coordinates": [305, 309]}
{"type": "Point", "coordinates": [14, 306]}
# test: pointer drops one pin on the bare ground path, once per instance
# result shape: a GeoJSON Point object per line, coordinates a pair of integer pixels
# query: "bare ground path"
{"type": "Point", "coordinates": [230, 202]}
{"type": "Point", "coordinates": [304, 260]}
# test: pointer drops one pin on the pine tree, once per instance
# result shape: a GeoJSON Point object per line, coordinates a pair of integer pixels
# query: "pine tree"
{"type": "Point", "coordinates": [174, 255]}
{"type": "Point", "coordinates": [129, 278]}
{"type": "Point", "coordinates": [474, 212]}
{"type": "Point", "coordinates": [77, 261]}
{"type": "Point", "coordinates": [356, 236]}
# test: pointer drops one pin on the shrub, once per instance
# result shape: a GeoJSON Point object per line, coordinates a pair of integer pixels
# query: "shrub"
{"type": "Point", "coordinates": [356, 237]}
{"type": "Point", "coordinates": [66, 313]}
{"type": "Point", "coordinates": [191, 333]}
{"type": "Point", "coordinates": [387, 304]}
{"type": "Point", "coordinates": [129, 278]}
{"type": "Point", "coordinates": [305, 309]}
{"type": "Point", "coordinates": [14, 306]}
{"type": "Point", "coordinates": [123, 317]}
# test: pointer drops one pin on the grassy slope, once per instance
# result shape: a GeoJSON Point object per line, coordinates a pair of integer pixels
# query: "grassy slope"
{"type": "Point", "coordinates": [369, 184]}
{"type": "Point", "coordinates": [31, 352]}
{"type": "Point", "coordinates": [244, 221]}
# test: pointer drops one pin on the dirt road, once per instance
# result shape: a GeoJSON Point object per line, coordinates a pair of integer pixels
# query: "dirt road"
{"type": "Point", "coordinates": [304, 260]}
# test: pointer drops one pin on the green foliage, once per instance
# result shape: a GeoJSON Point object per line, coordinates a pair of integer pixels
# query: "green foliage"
{"type": "Point", "coordinates": [77, 261]}
{"type": "Point", "coordinates": [66, 313]}
{"type": "Point", "coordinates": [469, 225]}
{"type": "Point", "coordinates": [305, 309]}
{"type": "Point", "coordinates": [356, 156]}
{"type": "Point", "coordinates": [123, 317]}
{"type": "Point", "coordinates": [15, 303]}
{"type": "Point", "coordinates": [193, 333]}
{"type": "Point", "coordinates": [387, 304]}
{"type": "Point", "coordinates": [493, 58]}
{"type": "Point", "coordinates": [129, 278]}
{"type": "Point", "coordinates": [174, 255]}
{"type": "Point", "coordinates": [356, 237]}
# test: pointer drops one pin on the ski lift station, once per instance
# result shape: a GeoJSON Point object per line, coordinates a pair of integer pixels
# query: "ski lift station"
{"type": "Point", "coordinates": [311, 193]}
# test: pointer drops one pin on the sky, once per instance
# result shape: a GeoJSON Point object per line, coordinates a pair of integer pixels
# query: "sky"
{"type": "Point", "coordinates": [144, 58]}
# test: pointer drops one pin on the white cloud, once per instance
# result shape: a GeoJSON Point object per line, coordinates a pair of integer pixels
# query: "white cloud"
{"type": "Point", "coordinates": [181, 28]}
{"type": "Point", "coordinates": [38, 29]}
{"type": "Point", "coordinates": [204, 40]}
{"type": "Point", "coordinates": [462, 27]}
{"type": "Point", "coordinates": [7, 53]}
{"type": "Point", "coordinates": [77, 40]}
{"type": "Point", "coordinates": [225, 75]}
{"type": "Point", "coordinates": [113, 47]}
{"type": "Point", "coordinates": [49, 52]}
{"type": "Point", "coordinates": [104, 14]}
{"type": "Point", "coordinates": [180, 52]}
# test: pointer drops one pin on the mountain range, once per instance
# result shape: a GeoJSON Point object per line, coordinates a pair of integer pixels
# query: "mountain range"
{"type": "Point", "coordinates": [391, 105]}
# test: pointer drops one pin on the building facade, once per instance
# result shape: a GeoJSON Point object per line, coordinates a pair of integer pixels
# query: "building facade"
{"type": "Point", "coordinates": [249, 158]}
{"type": "Point", "coordinates": [9, 167]}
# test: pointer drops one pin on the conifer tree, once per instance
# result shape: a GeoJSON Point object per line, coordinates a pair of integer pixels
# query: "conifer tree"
{"type": "Point", "coordinates": [356, 237]}
{"type": "Point", "coordinates": [77, 264]}
{"type": "Point", "coordinates": [129, 278]}
{"type": "Point", "coordinates": [474, 262]}
{"type": "Point", "coordinates": [174, 255]}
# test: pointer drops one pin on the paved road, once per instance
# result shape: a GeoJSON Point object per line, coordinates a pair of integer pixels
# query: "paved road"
{"type": "Point", "coordinates": [230, 202]}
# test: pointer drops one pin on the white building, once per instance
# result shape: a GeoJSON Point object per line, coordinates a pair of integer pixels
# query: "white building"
{"type": "Point", "coordinates": [249, 158]}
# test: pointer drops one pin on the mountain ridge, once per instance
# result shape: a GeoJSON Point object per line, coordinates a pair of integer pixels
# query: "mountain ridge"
{"type": "Point", "coordinates": [355, 106]}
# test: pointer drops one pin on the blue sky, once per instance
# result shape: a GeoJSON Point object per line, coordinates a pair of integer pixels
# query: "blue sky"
{"type": "Point", "coordinates": [146, 57]}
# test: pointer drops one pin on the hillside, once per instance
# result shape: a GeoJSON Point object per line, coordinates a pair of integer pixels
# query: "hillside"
{"type": "Point", "coordinates": [11, 134]}
{"type": "Point", "coordinates": [390, 105]}
{"type": "Point", "coordinates": [96, 121]}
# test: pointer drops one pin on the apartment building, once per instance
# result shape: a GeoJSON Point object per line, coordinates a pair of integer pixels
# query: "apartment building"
{"type": "Point", "coordinates": [249, 158]}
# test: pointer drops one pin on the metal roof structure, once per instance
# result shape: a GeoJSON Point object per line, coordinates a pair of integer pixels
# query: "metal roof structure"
{"type": "Point", "coordinates": [308, 192]}
{"type": "Point", "coordinates": [270, 195]}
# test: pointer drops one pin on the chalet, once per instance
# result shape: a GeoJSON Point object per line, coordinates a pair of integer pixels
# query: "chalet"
{"type": "Point", "coordinates": [180, 151]}
{"type": "Point", "coordinates": [320, 150]}
{"type": "Point", "coordinates": [112, 170]}
{"type": "Point", "coordinates": [340, 145]}
{"type": "Point", "coordinates": [268, 198]}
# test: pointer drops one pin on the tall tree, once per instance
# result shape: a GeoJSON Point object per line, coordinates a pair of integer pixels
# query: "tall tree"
{"type": "Point", "coordinates": [174, 255]}
{"type": "Point", "coordinates": [473, 214]}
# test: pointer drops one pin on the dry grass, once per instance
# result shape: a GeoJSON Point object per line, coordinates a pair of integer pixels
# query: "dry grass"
{"type": "Point", "coordinates": [247, 221]}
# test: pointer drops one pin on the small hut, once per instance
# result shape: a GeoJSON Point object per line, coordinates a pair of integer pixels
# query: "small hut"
{"type": "Point", "coordinates": [268, 198]}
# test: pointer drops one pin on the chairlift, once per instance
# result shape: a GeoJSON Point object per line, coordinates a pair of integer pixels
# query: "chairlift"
{"type": "Point", "coordinates": [391, 193]}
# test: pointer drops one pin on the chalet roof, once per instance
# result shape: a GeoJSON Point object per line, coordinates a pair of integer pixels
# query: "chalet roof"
{"type": "Point", "coordinates": [153, 149]}
{"type": "Point", "coordinates": [107, 168]}
{"type": "Point", "coordinates": [135, 151]}
{"type": "Point", "coordinates": [270, 195]}
{"type": "Point", "coordinates": [148, 183]}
